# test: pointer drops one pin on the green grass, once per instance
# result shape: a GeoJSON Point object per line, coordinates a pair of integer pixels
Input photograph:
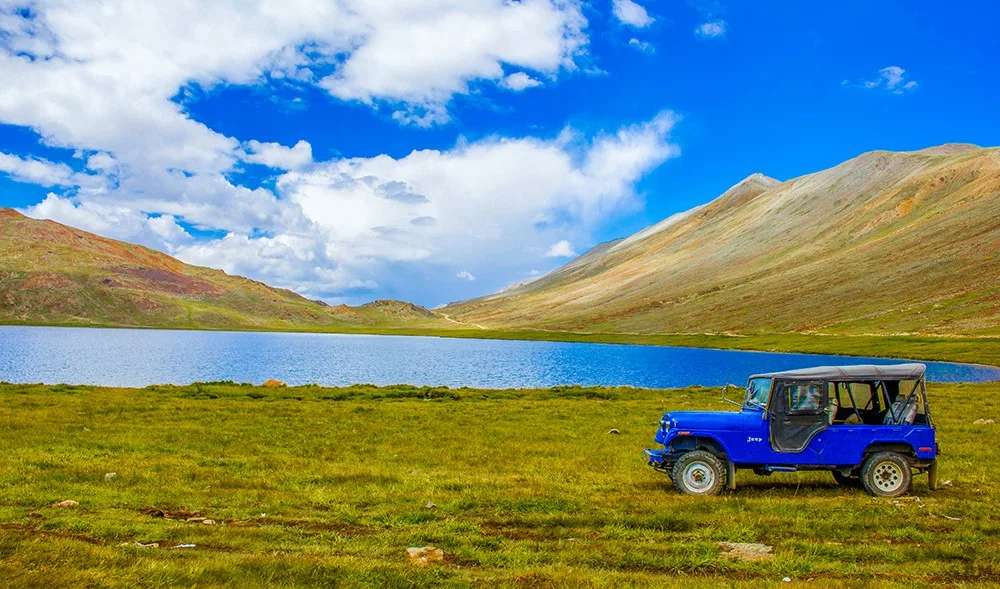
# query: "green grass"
{"type": "Point", "coordinates": [321, 487]}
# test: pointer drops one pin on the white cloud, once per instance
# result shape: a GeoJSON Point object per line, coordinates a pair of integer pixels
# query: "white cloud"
{"type": "Point", "coordinates": [121, 222]}
{"type": "Point", "coordinates": [101, 78]}
{"type": "Point", "coordinates": [712, 29]}
{"type": "Point", "coordinates": [465, 275]}
{"type": "Point", "coordinates": [486, 207]}
{"type": "Point", "coordinates": [35, 171]}
{"type": "Point", "coordinates": [423, 52]}
{"type": "Point", "coordinates": [275, 155]}
{"type": "Point", "coordinates": [643, 46]}
{"type": "Point", "coordinates": [892, 79]}
{"type": "Point", "coordinates": [630, 13]}
{"type": "Point", "coordinates": [892, 75]}
{"type": "Point", "coordinates": [561, 249]}
{"type": "Point", "coordinates": [519, 81]}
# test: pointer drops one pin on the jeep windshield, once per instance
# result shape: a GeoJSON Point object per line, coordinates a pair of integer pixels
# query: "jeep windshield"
{"type": "Point", "coordinates": [758, 390]}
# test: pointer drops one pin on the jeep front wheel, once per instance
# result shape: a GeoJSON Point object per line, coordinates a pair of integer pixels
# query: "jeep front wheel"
{"type": "Point", "coordinates": [886, 474]}
{"type": "Point", "coordinates": [699, 473]}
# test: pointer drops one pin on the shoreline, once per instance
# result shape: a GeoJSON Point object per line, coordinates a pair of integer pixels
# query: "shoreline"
{"type": "Point", "coordinates": [981, 351]}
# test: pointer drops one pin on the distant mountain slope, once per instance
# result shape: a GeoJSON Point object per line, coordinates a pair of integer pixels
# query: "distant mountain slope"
{"type": "Point", "coordinates": [51, 273]}
{"type": "Point", "coordinates": [883, 243]}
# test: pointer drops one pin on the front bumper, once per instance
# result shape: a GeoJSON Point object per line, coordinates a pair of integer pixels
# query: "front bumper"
{"type": "Point", "coordinates": [659, 459]}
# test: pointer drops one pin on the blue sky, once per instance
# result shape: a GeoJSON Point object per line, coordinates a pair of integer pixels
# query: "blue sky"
{"type": "Point", "coordinates": [432, 151]}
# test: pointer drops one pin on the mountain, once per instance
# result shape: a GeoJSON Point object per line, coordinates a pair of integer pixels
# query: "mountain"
{"type": "Point", "coordinates": [54, 274]}
{"type": "Point", "coordinates": [887, 242]}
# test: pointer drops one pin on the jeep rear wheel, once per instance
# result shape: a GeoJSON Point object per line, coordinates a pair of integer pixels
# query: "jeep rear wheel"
{"type": "Point", "coordinates": [886, 474]}
{"type": "Point", "coordinates": [699, 473]}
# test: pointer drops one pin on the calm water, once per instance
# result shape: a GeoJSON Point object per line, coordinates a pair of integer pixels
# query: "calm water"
{"type": "Point", "coordinates": [131, 357]}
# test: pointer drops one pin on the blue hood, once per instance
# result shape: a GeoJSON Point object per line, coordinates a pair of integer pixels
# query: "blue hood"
{"type": "Point", "coordinates": [705, 420]}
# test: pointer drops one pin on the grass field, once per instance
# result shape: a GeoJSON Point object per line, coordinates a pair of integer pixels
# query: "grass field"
{"type": "Point", "coordinates": [311, 486]}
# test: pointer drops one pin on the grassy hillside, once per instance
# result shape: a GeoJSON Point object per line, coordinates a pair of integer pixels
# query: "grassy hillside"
{"type": "Point", "coordinates": [886, 243]}
{"type": "Point", "coordinates": [54, 274]}
{"type": "Point", "coordinates": [315, 487]}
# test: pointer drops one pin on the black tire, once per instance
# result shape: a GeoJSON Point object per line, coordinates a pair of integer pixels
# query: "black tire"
{"type": "Point", "coordinates": [847, 480]}
{"type": "Point", "coordinates": [886, 474]}
{"type": "Point", "coordinates": [699, 473]}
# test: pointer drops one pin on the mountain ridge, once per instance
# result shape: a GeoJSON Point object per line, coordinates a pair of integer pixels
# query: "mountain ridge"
{"type": "Point", "coordinates": [55, 274]}
{"type": "Point", "coordinates": [761, 261]}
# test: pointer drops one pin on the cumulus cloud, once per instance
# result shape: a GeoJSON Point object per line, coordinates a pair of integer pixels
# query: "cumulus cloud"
{"type": "Point", "coordinates": [630, 13]}
{"type": "Point", "coordinates": [519, 81]}
{"type": "Point", "coordinates": [482, 207]}
{"type": "Point", "coordinates": [712, 29]}
{"type": "Point", "coordinates": [104, 78]}
{"type": "Point", "coordinates": [35, 171]}
{"type": "Point", "coordinates": [642, 46]}
{"type": "Point", "coordinates": [561, 249]}
{"type": "Point", "coordinates": [465, 275]}
{"type": "Point", "coordinates": [274, 155]}
{"type": "Point", "coordinates": [892, 79]}
{"type": "Point", "coordinates": [119, 221]}
{"type": "Point", "coordinates": [421, 53]}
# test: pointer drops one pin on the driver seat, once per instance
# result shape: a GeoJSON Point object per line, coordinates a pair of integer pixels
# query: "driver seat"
{"type": "Point", "coordinates": [903, 411]}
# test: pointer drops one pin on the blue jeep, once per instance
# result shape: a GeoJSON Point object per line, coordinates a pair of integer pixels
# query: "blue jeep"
{"type": "Point", "coordinates": [869, 425]}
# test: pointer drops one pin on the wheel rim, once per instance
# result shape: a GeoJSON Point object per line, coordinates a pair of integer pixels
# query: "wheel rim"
{"type": "Point", "coordinates": [699, 477]}
{"type": "Point", "coordinates": [888, 477]}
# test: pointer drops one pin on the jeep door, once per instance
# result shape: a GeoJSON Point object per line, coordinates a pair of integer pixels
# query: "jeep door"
{"type": "Point", "coordinates": [798, 414]}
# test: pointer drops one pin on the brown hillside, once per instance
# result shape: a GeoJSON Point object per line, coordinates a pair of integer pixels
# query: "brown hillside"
{"type": "Point", "coordinates": [51, 273]}
{"type": "Point", "coordinates": [883, 243]}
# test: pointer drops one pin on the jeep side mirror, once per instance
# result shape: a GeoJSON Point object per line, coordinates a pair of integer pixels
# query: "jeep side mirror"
{"type": "Point", "coordinates": [727, 399]}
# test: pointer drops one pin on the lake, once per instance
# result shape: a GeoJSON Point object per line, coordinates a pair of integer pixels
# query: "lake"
{"type": "Point", "coordinates": [140, 357]}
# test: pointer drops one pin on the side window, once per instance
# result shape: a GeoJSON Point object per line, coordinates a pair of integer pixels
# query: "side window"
{"type": "Point", "coordinates": [861, 392]}
{"type": "Point", "coordinates": [805, 398]}
{"type": "Point", "coordinates": [908, 387]}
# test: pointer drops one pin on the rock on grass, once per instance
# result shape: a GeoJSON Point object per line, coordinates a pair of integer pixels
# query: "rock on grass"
{"type": "Point", "coordinates": [425, 555]}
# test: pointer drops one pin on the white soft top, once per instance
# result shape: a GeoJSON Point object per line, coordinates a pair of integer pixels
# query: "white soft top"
{"type": "Point", "coordinates": [861, 372]}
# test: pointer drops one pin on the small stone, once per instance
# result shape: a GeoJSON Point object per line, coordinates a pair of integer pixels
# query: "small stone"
{"type": "Point", "coordinates": [195, 520]}
{"type": "Point", "coordinates": [273, 383]}
{"type": "Point", "coordinates": [746, 551]}
{"type": "Point", "coordinates": [430, 505]}
{"type": "Point", "coordinates": [786, 580]}
{"type": "Point", "coordinates": [184, 546]}
{"type": "Point", "coordinates": [150, 545]}
{"type": "Point", "coordinates": [425, 555]}
{"type": "Point", "coordinates": [110, 475]}
{"type": "Point", "coordinates": [209, 522]}
{"type": "Point", "coordinates": [66, 503]}
{"type": "Point", "coordinates": [613, 431]}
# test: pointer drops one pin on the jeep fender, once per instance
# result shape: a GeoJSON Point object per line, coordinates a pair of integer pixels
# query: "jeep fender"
{"type": "Point", "coordinates": [708, 443]}
{"type": "Point", "coordinates": [903, 448]}
{"type": "Point", "coordinates": [699, 442]}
